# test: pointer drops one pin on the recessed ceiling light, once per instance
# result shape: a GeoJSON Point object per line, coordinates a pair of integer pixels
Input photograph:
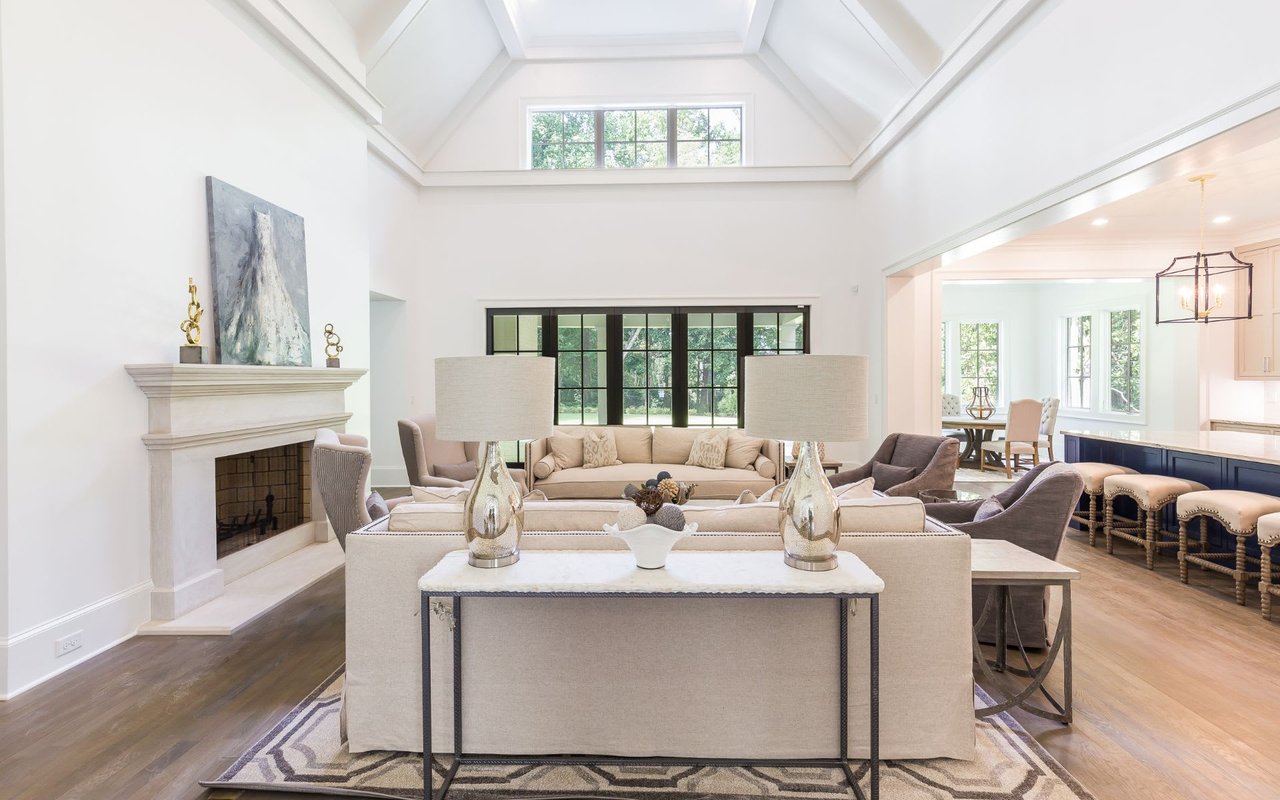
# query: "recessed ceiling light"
{"type": "Point", "coordinates": [1221, 219]}
{"type": "Point", "coordinates": [1099, 222]}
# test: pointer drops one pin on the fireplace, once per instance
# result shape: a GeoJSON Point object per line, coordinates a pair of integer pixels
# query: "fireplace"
{"type": "Point", "coordinates": [261, 493]}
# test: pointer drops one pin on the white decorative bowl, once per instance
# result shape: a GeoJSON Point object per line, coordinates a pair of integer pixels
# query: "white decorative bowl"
{"type": "Point", "coordinates": [650, 543]}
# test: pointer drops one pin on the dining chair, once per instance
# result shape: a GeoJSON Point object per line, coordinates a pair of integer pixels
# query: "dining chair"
{"type": "Point", "coordinates": [1048, 422]}
{"type": "Point", "coordinates": [1022, 435]}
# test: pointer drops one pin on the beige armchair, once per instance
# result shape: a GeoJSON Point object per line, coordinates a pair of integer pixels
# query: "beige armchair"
{"type": "Point", "coordinates": [424, 455]}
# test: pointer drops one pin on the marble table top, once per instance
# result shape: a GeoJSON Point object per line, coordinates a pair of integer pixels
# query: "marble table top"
{"type": "Point", "coordinates": [615, 572]}
{"type": "Point", "coordinates": [995, 561]}
{"type": "Point", "coordinates": [1260, 447]}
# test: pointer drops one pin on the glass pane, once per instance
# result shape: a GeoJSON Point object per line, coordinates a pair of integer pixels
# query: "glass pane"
{"type": "Point", "coordinates": [726, 406]}
{"type": "Point", "coordinates": [726, 123]}
{"type": "Point", "coordinates": [546, 157]}
{"type": "Point", "coordinates": [619, 156]}
{"type": "Point", "coordinates": [968, 336]}
{"type": "Point", "coordinates": [619, 126]}
{"type": "Point", "coordinates": [633, 368]}
{"type": "Point", "coordinates": [592, 369]}
{"type": "Point", "coordinates": [633, 407]}
{"type": "Point", "coordinates": [659, 406]}
{"type": "Point", "coordinates": [989, 335]}
{"type": "Point", "coordinates": [651, 125]}
{"type": "Point", "coordinates": [791, 334]}
{"type": "Point", "coordinates": [700, 368]}
{"type": "Point", "coordinates": [764, 334]}
{"type": "Point", "coordinates": [546, 127]}
{"type": "Point", "coordinates": [691, 154]}
{"type": "Point", "coordinates": [570, 337]}
{"type": "Point", "coordinates": [531, 332]}
{"type": "Point", "coordinates": [726, 368]}
{"type": "Point", "coordinates": [580, 126]}
{"type": "Point", "coordinates": [570, 406]}
{"type": "Point", "coordinates": [570, 367]}
{"type": "Point", "coordinates": [594, 411]}
{"type": "Point", "coordinates": [633, 332]}
{"type": "Point", "coordinates": [968, 365]}
{"type": "Point", "coordinates": [504, 333]}
{"type": "Point", "coordinates": [726, 331]}
{"type": "Point", "coordinates": [700, 405]}
{"type": "Point", "coordinates": [659, 331]}
{"type": "Point", "coordinates": [691, 123]}
{"type": "Point", "coordinates": [579, 156]}
{"type": "Point", "coordinates": [699, 331]}
{"type": "Point", "coordinates": [660, 368]}
{"type": "Point", "coordinates": [726, 154]}
{"type": "Point", "coordinates": [594, 327]}
{"type": "Point", "coordinates": [652, 154]}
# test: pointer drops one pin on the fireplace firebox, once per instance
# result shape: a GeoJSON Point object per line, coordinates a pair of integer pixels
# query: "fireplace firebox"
{"type": "Point", "coordinates": [261, 493]}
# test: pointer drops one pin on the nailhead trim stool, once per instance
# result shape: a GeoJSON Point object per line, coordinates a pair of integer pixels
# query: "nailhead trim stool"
{"type": "Point", "coordinates": [1093, 473]}
{"type": "Point", "coordinates": [1152, 493]}
{"type": "Point", "coordinates": [1238, 512]}
{"type": "Point", "coordinates": [1268, 537]}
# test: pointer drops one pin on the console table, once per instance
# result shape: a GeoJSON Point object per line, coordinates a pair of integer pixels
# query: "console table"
{"type": "Point", "coordinates": [1000, 565]}
{"type": "Point", "coordinates": [612, 574]}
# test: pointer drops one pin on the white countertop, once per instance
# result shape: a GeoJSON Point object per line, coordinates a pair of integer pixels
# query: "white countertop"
{"type": "Point", "coordinates": [1261, 447]}
{"type": "Point", "coordinates": [1000, 562]}
{"type": "Point", "coordinates": [615, 572]}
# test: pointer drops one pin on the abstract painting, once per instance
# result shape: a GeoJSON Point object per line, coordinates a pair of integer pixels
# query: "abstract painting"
{"type": "Point", "coordinates": [259, 258]}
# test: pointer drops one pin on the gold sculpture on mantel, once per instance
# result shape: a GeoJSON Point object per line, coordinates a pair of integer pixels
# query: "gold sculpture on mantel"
{"type": "Point", "coordinates": [332, 346]}
{"type": "Point", "coordinates": [191, 352]}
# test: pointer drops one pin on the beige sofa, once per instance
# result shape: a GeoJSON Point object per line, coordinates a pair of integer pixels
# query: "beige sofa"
{"type": "Point", "coordinates": [644, 452]}
{"type": "Point", "coordinates": [712, 677]}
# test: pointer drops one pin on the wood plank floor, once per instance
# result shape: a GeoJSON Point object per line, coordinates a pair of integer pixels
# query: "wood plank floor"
{"type": "Point", "coordinates": [1175, 696]}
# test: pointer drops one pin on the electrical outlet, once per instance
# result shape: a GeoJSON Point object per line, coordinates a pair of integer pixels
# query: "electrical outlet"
{"type": "Point", "coordinates": [68, 643]}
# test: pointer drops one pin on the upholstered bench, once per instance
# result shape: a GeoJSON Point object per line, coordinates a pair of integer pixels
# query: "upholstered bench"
{"type": "Point", "coordinates": [1238, 512]}
{"type": "Point", "coordinates": [1268, 537]}
{"type": "Point", "coordinates": [1152, 493]}
{"type": "Point", "coordinates": [1093, 473]}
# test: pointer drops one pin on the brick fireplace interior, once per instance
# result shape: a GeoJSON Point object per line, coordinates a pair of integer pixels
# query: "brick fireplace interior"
{"type": "Point", "coordinates": [261, 493]}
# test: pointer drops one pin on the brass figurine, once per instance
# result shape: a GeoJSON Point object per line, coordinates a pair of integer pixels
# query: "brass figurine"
{"type": "Point", "coordinates": [191, 325]}
{"type": "Point", "coordinates": [332, 346]}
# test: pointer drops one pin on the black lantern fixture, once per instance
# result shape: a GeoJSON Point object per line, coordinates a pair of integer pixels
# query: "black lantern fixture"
{"type": "Point", "coordinates": [1200, 287]}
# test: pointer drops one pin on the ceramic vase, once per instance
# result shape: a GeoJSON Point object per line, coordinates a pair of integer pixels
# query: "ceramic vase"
{"type": "Point", "coordinates": [650, 543]}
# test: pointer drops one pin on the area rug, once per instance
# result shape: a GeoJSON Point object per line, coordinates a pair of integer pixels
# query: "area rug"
{"type": "Point", "coordinates": [304, 754]}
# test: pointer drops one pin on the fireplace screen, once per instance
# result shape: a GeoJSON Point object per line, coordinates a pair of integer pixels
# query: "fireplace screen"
{"type": "Point", "coordinates": [261, 493]}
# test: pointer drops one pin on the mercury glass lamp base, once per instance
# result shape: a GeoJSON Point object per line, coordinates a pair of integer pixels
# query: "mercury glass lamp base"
{"type": "Point", "coordinates": [493, 514]}
{"type": "Point", "coordinates": [809, 515]}
{"type": "Point", "coordinates": [828, 563]}
{"type": "Point", "coordinates": [491, 563]}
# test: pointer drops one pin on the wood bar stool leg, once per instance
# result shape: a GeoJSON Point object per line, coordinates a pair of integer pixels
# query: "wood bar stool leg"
{"type": "Point", "coordinates": [1093, 519]}
{"type": "Point", "coordinates": [1151, 538]}
{"type": "Point", "coordinates": [1264, 582]}
{"type": "Point", "coordinates": [1204, 536]}
{"type": "Point", "coordinates": [1108, 505]}
{"type": "Point", "coordinates": [1182, 550]}
{"type": "Point", "coordinates": [1241, 567]}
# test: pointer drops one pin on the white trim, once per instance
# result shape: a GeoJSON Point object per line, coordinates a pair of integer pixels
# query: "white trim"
{"type": "Point", "coordinates": [977, 42]}
{"type": "Point", "coordinates": [633, 177]}
{"type": "Point", "coordinates": [502, 67]}
{"type": "Point", "coordinates": [710, 44]}
{"type": "Point", "coordinates": [777, 69]}
{"type": "Point", "coordinates": [908, 47]}
{"type": "Point", "coordinates": [387, 39]}
{"type": "Point", "coordinates": [277, 20]}
{"type": "Point", "coordinates": [757, 24]}
{"type": "Point", "coordinates": [88, 608]}
{"type": "Point", "coordinates": [394, 153]}
{"type": "Point", "coordinates": [504, 19]}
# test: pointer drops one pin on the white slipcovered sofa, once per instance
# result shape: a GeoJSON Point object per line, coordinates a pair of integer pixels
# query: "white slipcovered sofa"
{"type": "Point", "coordinates": [644, 452]}
{"type": "Point", "coordinates": [710, 677]}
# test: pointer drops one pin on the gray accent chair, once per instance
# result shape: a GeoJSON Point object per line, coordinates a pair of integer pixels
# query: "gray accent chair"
{"type": "Point", "coordinates": [933, 458]}
{"type": "Point", "coordinates": [340, 464]}
{"type": "Point", "coordinates": [423, 452]}
{"type": "Point", "coordinates": [1035, 513]}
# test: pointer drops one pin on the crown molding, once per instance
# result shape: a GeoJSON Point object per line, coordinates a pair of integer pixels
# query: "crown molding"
{"type": "Point", "coordinates": [638, 177]}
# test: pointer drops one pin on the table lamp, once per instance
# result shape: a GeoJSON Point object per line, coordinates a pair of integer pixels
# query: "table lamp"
{"type": "Point", "coordinates": [490, 399]}
{"type": "Point", "coordinates": [809, 399]}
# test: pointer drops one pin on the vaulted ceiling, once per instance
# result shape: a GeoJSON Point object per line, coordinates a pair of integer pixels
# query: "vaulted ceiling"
{"type": "Point", "coordinates": [851, 63]}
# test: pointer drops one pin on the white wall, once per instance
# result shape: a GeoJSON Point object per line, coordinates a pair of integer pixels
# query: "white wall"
{"type": "Point", "coordinates": [114, 113]}
{"type": "Point", "coordinates": [779, 132]}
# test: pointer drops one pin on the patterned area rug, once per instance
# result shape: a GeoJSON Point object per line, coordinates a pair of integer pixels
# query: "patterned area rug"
{"type": "Point", "coordinates": [304, 754]}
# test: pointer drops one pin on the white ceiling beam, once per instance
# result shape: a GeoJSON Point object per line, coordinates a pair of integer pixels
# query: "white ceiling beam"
{"type": "Point", "coordinates": [898, 35]}
{"type": "Point", "coordinates": [757, 24]}
{"type": "Point", "coordinates": [504, 19]}
{"type": "Point", "coordinates": [790, 83]}
{"type": "Point", "coordinates": [385, 40]}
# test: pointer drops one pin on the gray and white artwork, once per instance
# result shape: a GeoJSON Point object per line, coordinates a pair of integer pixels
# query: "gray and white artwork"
{"type": "Point", "coordinates": [259, 259]}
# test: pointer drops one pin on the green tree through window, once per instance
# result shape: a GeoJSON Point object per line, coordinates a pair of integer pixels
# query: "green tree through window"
{"type": "Point", "coordinates": [1126, 361]}
{"type": "Point", "coordinates": [980, 359]}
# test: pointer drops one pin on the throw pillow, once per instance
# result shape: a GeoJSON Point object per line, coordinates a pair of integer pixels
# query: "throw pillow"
{"type": "Point", "coordinates": [708, 450]}
{"type": "Point", "coordinates": [599, 449]}
{"type": "Point", "coordinates": [742, 451]}
{"type": "Point", "coordinates": [765, 466]}
{"type": "Point", "coordinates": [773, 494]}
{"type": "Point", "coordinates": [466, 471]}
{"type": "Point", "coordinates": [439, 494]}
{"type": "Point", "coordinates": [888, 476]}
{"type": "Point", "coordinates": [545, 466]}
{"type": "Point", "coordinates": [536, 494]}
{"type": "Point", "coordinates": [989, 508]}
{"type": "Point", "coordinates": [566, 450]}
{"type": "Point", "coordinates": [376, 506]}
{"type": "Point", "coordinates": [747, 497]}
{"type": "Point", "coordinates": [863, 488]}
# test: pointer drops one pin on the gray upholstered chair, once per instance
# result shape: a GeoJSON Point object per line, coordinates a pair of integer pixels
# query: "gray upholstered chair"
{"type": "Point", "coordinates": [915, 463]}
{"type": "Point", "coordinates": [340, 465]}
{"type": "Point", "coordinates": [425, 456]}
{"type": "Point", "coordinates": [1033, 514]}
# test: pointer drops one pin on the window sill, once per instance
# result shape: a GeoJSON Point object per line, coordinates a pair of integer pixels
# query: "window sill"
{"type": "Point", "coordinates": [634, 177]}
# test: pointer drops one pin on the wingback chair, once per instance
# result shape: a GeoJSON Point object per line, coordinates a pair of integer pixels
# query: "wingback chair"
{"type": "Point", "coordinates": [424, 455]}
{"type": "Point", "coordinates": [907, 464]}
{"type": "Point", "coordinates": [1033, 514]}
{"type": "Point", "coordinates": [340, 465]}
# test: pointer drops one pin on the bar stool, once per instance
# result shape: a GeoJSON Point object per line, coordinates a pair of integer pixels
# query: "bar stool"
{"type": "Point", "coordinates": [1152, 493]}
{"type": "Point", "coordinates": [1268, 537]}
{"type": "Point", "coordinates": [1238, 512]}
{"type": "Point", "coordinates": [1093, 473]}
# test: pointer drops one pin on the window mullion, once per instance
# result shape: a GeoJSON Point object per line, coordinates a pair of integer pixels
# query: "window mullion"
{"type": "Point", "coordinates": [599, 115]}
{"type": "Point", "coordinates": [671, 137]}
{"type": "Point", "coordinates": [613, 368]}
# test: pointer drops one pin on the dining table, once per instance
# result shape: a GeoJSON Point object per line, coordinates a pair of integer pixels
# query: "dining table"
{"type": "Point", "coordinates": [976, 432]}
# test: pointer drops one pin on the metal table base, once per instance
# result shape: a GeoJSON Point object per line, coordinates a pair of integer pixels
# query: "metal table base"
{"type": "Point", "coordinates": [1036, 675]}
{"type": "Point", "coordinates": [461, 758]}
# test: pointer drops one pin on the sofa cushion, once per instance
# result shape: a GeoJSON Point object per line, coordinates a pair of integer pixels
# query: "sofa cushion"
{"type": "Point", "coordinates": [544, 467]}
{"type": "Point", "coordinates": [672, 445]}
{"type": "Point", "coordinates": [439, 494]}
{"type": "Point", "coordinates": [845, 491]}
{"type": "Point", "coordinates": [708, 449]}
{"type": "Point", "coordinates": [635, 443]}
{"type": "Point", "coordinates": [566, 449]}
{"type": "Point", "coordinates": [465, 471]}
{"type": "Point", "coordinates": [742, 451]}
{"type": "Point", "coordinates": [888, 476]}
{"type": "Point", "coordinates": [609, 482]}
{"type": "Point", "coordinates": [599, 449]}
{"type": "Point", "coordinates": [765, 466]}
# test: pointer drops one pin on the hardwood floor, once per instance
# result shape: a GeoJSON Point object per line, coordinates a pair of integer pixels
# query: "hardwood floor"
{"type": "Point", "coordinates": [1175, 696]}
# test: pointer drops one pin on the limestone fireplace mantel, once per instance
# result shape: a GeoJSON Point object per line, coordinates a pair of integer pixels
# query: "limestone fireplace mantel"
{"type": "Point", "coordinates": [198, 413]}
